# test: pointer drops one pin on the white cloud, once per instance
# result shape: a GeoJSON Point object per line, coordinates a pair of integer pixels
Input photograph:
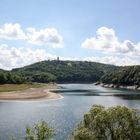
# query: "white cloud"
{"type": "Point", "coordinates": [125, 61]}
{"type": "Point", "coordinates": [107, 41]}
{"type": "Point", "coordinates": [11, 57]}
{"type": "Point", "coordinates": [12, 31]}
{"type": "Point", "coordinates": [46, 36]}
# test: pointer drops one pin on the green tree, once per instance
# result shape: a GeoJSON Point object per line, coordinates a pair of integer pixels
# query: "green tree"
{"type": "Point", "coordinates": [3, 78]}
{"type": "Point", "coordinates": [114, 123]}
{"type": "Point", "coordinates": [39, 131]}
{"type": "Point", "coordinates": [129, 75]}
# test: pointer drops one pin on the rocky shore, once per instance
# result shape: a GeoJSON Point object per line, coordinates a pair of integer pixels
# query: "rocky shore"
{"type": "Point", "coordinates": [132, 87]}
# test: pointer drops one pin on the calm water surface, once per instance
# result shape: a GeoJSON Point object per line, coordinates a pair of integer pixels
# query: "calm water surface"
{"type": "Point", "coordinates": [63, 115]}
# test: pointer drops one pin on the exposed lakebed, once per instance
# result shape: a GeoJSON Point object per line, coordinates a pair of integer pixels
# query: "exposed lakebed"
{"type": "Point", "coordinates": [64, 114]}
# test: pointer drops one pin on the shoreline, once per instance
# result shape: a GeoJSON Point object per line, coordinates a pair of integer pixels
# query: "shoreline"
{"type": "Point", "coordinates": [134, 87]}
{"type": "Point", "coordinates": [31, 94]}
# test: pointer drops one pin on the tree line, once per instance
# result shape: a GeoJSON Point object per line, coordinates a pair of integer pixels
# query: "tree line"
{"type": "Point", "coordinates": [64, 71]}
{"type": "Point", "coordinates": [72, 72]}
{"type": "Point", "coordinates": [129, 75]}
{"type": "Point", "coordinates": [11, 78]}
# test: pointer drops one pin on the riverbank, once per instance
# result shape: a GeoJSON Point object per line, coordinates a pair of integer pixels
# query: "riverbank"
{"type": "Point", "coordinates": [134, 87]}
{"type": "Point", "coordinates": [31, 94]}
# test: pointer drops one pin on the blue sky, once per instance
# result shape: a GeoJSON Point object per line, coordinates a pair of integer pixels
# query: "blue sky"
{"type": "Point", "coordinates": [105, 31]}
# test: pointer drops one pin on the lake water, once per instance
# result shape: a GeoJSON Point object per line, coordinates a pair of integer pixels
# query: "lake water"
{"type": "Point", "coordinates": [63, 115]}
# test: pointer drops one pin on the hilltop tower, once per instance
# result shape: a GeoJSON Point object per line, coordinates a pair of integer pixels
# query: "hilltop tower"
{"type": "Point", "coordinates": [57, 58]}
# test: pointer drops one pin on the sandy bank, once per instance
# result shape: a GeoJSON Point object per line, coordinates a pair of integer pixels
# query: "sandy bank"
{"type": "Point", "coordinates": [33, 94]}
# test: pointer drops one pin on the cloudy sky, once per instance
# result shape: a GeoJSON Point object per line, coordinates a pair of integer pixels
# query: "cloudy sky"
{"type": "Point", "coordinates": [106, 31]}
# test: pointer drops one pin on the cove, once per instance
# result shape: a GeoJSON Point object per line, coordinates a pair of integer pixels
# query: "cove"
{"type": "Point", "coordinates": [63, 115]}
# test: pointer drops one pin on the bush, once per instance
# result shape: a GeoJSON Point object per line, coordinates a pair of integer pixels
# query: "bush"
{"type": "Point", "coordinates": [114, 123]}
{"type": "Point", "coordinates": [39, 131]}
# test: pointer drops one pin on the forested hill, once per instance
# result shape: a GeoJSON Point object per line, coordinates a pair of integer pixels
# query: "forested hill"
{"type": "Point", "coordinates": [72, 71]}
{"type": "Point", "coordinates": [64, 71]}
{"type": "Point", "coordinates": [129, 75]}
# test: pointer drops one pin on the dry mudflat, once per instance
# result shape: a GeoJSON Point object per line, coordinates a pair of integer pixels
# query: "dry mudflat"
{"type": "Point", "coordinates": [34, 94]}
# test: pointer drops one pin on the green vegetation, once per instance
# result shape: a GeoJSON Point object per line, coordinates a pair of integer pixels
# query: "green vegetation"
{"type": "Point", "coordinates": [10, 78]}
{"type": "Point", "coordinates": [129, 75]}
{"type": "Point", "coordinates": [16, 87]}
{"type": "Point", "coordinates": [72, 72]}
{"type": "Point", "coordinates": [40, 131]}
{"type": "Point", "coordinates": [64, 71]}
{"type": "Point", "coordinates": [114, 123]}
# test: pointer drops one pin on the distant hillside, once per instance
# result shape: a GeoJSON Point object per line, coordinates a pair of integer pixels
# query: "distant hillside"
{"type": "Point", "coordinates": [72, 72]}
{"type": "Point", "coordinates": [128, 75]}
{"type": "Point", "coordinates": [64, 71]}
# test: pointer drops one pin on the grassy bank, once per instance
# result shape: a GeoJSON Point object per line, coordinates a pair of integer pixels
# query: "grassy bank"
{"type": "Point", "coordinates": [16, 87]}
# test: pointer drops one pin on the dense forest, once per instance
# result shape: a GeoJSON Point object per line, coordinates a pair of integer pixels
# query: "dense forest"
{"type": "Point", "coordinates": [10, 78]}
{"type": "Point", "coordinates": [72, 72]}
{"type": "Point", "coordinates": [129, 75]}
{"type": "Point", "coordinates": [64, 71]}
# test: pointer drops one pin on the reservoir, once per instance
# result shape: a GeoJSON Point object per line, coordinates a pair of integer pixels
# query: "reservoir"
{"type": "Point", "coordinates": [64, 114]}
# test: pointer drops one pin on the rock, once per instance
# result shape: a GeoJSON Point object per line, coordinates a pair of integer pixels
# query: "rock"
{"type": "Point", "coordinates": [97, 83]}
